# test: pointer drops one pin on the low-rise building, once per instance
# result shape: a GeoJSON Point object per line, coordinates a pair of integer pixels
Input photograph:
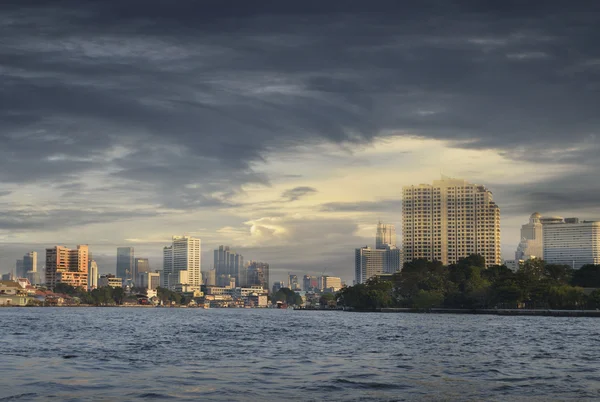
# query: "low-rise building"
{"type": "Point", "coordinates": [110, 280]}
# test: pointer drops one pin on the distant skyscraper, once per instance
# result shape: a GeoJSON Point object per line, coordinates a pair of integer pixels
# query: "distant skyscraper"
{"type": "Point", "coordinates": [93, 275]}
{"type": "Point", "coordinates": [228, 265]}
{"type": "Point", "coordinates": [277, 286]}
{"type": "Point", "coordinates": [30, 268]}
{"type": "Point", "coordinates": [125, 263]}
{"type": "Point", "coordinates": [309, 283]}
{"type": "Point", "coordinates": [182, 262]}
{"type": "Point", "coordinates": [386, 236]}
{"type": "Point", "coordinates": [531, 244]}
{"type": "Point", "coordinates": [141, 265]}
{"type": "Point", "coordinates": [449, 220]}
{"type": "Point", "coordinates": [368, 262]}
{"type": "Point", "coordinates": [68, 266]}
{"type": "Point", "coordinates": [258, 274]}
{"type": "Point", "coordinates": [20, 269]}
{"type": "Point", "coordinates": [571, 242]}
{"type": "Point", "coordinates": [330, 283]}
{"type": "Point", "coordinates": [293, 282]}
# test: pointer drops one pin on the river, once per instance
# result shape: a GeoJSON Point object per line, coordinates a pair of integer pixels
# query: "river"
{"type": "Point", "coordinates": [135, 354]}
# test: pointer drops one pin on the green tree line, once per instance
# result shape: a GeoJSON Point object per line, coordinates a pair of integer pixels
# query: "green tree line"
{"type": "Point", "coordinates": [469, 284]}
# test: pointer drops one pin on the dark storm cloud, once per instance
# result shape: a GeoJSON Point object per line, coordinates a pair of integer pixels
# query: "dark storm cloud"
{"type": "Point", "coordinates": [296, 193]}
{"type": "Point", "coordinates": [198, 92]}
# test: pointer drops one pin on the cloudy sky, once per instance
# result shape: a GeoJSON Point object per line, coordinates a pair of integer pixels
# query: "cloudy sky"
{"type": "Point", "coordinates": [286, 129]}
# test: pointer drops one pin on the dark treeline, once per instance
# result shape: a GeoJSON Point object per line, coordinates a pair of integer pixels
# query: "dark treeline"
{"type": "Point", "coordinates": [469, 285]}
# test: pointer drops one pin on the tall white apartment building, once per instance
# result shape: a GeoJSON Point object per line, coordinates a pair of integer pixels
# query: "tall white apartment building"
{"type": "Point", "coordinates": [92, 275]}
{"type": "Point", "coordinates": [368, 262]}
{"type": "Point", "coordinates": [181, 262]}
{"type": "Point", "coordinates": [531, 244]}
{"type": "Point", "coordinates": [449, 220]}
{"type": "Point", "coordinates": [385, 236]}
{"type": "Point", "coordinates": [572, 242]}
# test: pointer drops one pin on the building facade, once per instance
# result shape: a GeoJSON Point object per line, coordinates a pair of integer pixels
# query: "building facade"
{"type": "Point", "coordinates": [449, 220]}
{"type": "Point", "coordinates": [258, 274]}
{"type": "Point", "coordinates": [571, 242]}
{"type": "Point", "coordinates": [368, 262]}
{"type": "Point", "coordinates": [531, 244]}
{"type": "Point", "coordinates": [184, 254]}
{"type": "Point", "coordinates": [93, 275]}
{"type": "Point", "coordinates": [385, 236]}
{"type": "Point", "coordinates": [229, 264]}
{"type": "Point", "coordinates": [110, 280]}
{"type": "Point", "coordinates": [68, 266]}
{"type": "Point", "coordinates": [125, 263]}
{"type": "Point", "coordinates": [30, 268]}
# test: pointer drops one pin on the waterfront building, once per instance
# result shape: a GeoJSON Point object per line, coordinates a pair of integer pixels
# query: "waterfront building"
{"type": "Point", "coordinates": [531, 244]}
{"type": "Point", "coordinates": [571, 242]}
{"type": "Point", "coordinates": [110, 280]}
{"type": "Point", "coordinates": [258, 274]}
{"type": "Point", "coordinates": [184, 254]}
{"type": "Point", "coordinates": [385, 236]}
{"type": "Point", "coordinates": [449, 220]}
{"type": "Point", "coordinates": [68, 266]}
{"type": "Point", "coordinates": [93, 275]}
{"type": "Point", "coordinates": [229, 265]}
{"type": "Point", "coordinates": [125, 263]}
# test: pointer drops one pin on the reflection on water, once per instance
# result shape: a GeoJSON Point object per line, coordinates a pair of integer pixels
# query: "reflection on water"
{"type": "Point", "coordinates": [107, 354]}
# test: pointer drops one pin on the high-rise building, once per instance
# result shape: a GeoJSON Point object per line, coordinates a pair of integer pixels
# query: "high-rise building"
{"type": "Point", "coordinates": [141, 265]}
{"type": "Point", "coordinates": [571, 242]}
{"type": "Point", "coordinates": [450, 220]}
{"type": "Point", "coordinates": [531, 244]}
{"type": "Point", "coordinates": [149, 280]}
{"type": "Point", "coordinates": [368, 262]}
{"type": "Point", "coordinates": [293, 282]}
{"type": "Point", "coordinates": [20, 269]}
{"type": "Point", "coordinates": [278, 285]}
{"type": "Point", "coordinates": [258, 274]}
{"type": "Point", "coordinates": [125, 263]}
{"type": "Point", "coordinates": [330, 283]}
{"type": "Point", "coordinates": [184, 254]}
{"type": "Point", "coordinates": [228, 265]}
{"type": "Point", "coordinates": [93, 275]}
{"type": "Point", "coordinates": [386, 236]}
{"type": "Point", "coordinates": [309, 283]}
{"type": "Point", "coordinates": [68, 266]}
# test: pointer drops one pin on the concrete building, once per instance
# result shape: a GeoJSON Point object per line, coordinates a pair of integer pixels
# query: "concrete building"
{"type": "Point", "coordinates": [211, 278]}
{"type": "Point", "coordinates": [449, 220]}
{"type": "Point", "coordinates": [258, 274]}
{"type": "Point", "coordinates": [68, 266]}
{"type": "Point", "coordinates": [229, 265]}
{"type": "Point", "coordinates": [20, 269]}
{"type": "Point", "coordinates": [184, 254]}
{"type": "Point", "coordinates": [110, 280]}
{"type": "Point", "coordinates": [278, 285]}
{"type": "Point", "coordinates": [531, 244]}
{"type": "Point", "coordinates": [141, 265]}
{"type": "Point", "coordinates": [385, 236]}
{"type": "Point", "coordinates": [330, 283]}
{"type": "Point", "coordinates": [293, 282]}
{"type": "Point", "coordinates": [368, 262]}
{"type": "Point", "coordinates": [149, 280]}
{"type": "Point", "coordinates": [93, 275]}
{"type": "Point", "coordinates": [571, 242]}
{"type": "Point", "coordinates": [30, 268]}
{"type": "Point", "coordinates": [309, 283]}
{"type": "Point", "coordinates": [125, 263]}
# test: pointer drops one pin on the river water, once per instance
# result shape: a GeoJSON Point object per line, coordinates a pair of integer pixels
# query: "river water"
{"type": "Point", "coordinates": [109, 354]}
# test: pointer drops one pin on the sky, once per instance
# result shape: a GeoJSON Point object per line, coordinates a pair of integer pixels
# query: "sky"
{"type": "Point", "coordinates": [283, 129]}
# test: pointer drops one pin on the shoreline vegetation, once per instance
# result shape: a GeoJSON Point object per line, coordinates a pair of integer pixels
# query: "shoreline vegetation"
{"type": "Point", "coordinates": [468, 287]}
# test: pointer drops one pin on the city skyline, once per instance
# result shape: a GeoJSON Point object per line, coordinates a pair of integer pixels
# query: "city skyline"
{"type": "Point", "coordinates": [294, 133]}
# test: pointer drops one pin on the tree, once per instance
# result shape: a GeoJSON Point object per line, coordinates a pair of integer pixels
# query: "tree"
{"type": "Point", "coordinates": [587, 276]}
